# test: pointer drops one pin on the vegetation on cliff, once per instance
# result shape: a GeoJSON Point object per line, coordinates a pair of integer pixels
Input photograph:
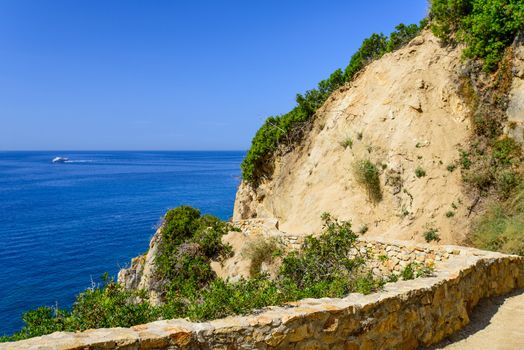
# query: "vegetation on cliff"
{"type": "Point", "coordinates": [487, 27]}
{"type": "Point", "coordinates": [492, 166]}
{"type": "Point", "coordinates": [286, 130]}
{"type": "Point", "coordinates": [322, 267]}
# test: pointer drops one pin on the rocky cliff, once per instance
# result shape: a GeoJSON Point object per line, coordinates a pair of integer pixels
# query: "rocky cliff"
{"type": "Point", "coordinates": [405, 113]}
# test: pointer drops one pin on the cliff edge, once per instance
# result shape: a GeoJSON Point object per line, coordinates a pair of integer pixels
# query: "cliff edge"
{"type": "Point", "coordinates": [405, 114]}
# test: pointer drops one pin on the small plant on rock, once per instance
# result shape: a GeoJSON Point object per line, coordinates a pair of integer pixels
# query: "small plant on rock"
{"type": "Point", "coordinates": [431, 235]}
{"type": "Point", "coordinates": [368, 176]}
{"type": "Point", "coordinates": [261, 251]}
{"type": "Point", "coordinates": [347, 142]}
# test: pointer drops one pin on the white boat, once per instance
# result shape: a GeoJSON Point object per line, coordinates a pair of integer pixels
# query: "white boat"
{"type": "Point", "coordinates": [60, 159]}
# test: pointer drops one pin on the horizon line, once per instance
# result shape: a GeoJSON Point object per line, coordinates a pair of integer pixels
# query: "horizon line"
{"type": "Point", "coordinates": [125, 150]}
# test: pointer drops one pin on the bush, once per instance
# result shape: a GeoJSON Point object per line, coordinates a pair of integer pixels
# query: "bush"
{"type": "Point", "coordinates": [367, 175]}
{"type": "Point", "coordinates": [98, 307]}
{"type": "Point", "coordinates": [402, 35]}
{"type": "Point", "coordinates": [189, 242]}
{"type": "Point", "coordinates": [419, 172]}
{"type": "Point", "coordinates": [506, 151]}
{"type": "Point", "coordinates": [431, 235]}
{"type": "Point", "coordinates": [323, 258]}
{"type": "Point", "coordinates": [487, 27]}
{"type": "Point", "coordinates": [408, 273]}
{"type": "Point", "coordinates": [259, 252]}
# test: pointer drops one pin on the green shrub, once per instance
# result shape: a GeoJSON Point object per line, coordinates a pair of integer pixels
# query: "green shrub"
{"type": "Point", "coordinates": [408, 273]}
{"type": "Point", "coordinates": [506, 151]}
{"type": "Point", "coordinates": [189, 242]}
{"type": "Point", "coordinates": [323, 258]}
{"type": "Point", "coordinates": [402, 35]}
{"type": "Point", "coordinates": [431, 234]}
{"type": "Point", "coordinates": [368, 176]}
{"type": "Point", "coordinates": [487, 27]}
{"type": "Point", "coordinates": [98, 307]}
{"type": "Point", "coordinates": [465, 161]}
{"type": "Point", "coordinates": [450, 214]}
{"type": "Point", "coordinates": [419, 172]}
{"type": "Point", "coordinates": [451, 167]}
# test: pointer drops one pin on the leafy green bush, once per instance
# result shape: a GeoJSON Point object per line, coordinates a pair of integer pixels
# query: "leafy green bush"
{"type": "Point", "coordinates": [367, 175]}
{"type": "Point", "coordinates": [402, 35]}
{"type": "Point", "coordinates": [431, 234]}
{"type": "Point", "coordinates": [189, 242]}
{"type": "Point", "coordinates": [323, 258]}
{"type": "Point", "coordinates": [419, 172]}
{"type": "Point", "coordinates": [101, 306]}
{"type": "Point", "coordinates": [408, 273]}
{"type": "Point", "coordinates": [487, 27]}
{"type": "Point", "coordinates": [288, 129]}
{"type": "Point", "coordinates": [506, 151]}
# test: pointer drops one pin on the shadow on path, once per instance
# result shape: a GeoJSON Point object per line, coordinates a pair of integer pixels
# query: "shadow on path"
{"type": "Point", "coordinates": [480, 318]}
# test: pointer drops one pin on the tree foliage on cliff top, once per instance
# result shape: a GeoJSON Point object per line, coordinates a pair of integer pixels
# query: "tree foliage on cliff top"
{"type": "Point", "coordinates": [288, 129]}
{"type": "Point", "coordinates": [487, 27]}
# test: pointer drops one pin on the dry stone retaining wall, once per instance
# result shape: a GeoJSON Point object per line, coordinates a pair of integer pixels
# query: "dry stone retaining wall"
{"type": "Point", "coordinates": [405, 315]}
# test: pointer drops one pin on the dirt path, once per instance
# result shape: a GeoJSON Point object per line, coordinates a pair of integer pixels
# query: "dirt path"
{"type": "Point", "coordinates": [496, 324]}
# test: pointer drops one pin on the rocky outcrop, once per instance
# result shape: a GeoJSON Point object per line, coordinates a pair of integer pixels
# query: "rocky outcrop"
{"type": "Point", "coordinates": [405, 315]}
{"type": "Point", "coordinates": [141, 273]}
{"type": "Point", "coordinates": [404, 113]}
{"type": "Point", "coordinates": [515, 111]}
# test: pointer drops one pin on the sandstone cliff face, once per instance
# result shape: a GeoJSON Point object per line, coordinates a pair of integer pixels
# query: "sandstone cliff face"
{"type": "Point", "coordinates": [141, 273]}
{"type": "Point", "coordinates": [402, 112]}
{"type": "Point", "coordinates": [515, 111]}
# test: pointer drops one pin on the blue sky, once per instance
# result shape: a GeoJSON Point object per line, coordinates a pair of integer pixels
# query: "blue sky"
{"type": "Point", "coordinates": [169, 75]}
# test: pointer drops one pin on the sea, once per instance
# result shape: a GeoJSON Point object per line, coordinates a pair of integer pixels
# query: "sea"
{"type": "Point", "coordinates": [62, 225]}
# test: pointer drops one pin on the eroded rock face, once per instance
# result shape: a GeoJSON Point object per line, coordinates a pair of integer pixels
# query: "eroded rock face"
{"type": "Point", "coordinates": [515, 111]}
{"type": "Point", "coordinates": [402, 112]}
{"type": "Point", "coordinates": [141, 274]}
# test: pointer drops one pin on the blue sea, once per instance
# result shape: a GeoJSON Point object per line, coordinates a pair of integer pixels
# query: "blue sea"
{"type": "Point", "coordinates": [63, 225]}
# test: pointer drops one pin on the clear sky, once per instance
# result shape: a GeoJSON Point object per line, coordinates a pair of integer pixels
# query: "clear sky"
{"type": "Point", "coordinates": [169, 75]}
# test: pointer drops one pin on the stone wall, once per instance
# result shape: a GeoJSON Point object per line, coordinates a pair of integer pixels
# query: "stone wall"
{"type": "Point", "coordinates": [405, 315]}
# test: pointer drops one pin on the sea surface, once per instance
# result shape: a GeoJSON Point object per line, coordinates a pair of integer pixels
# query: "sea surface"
{"type": "Point", "coordinates": [63, 225]}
